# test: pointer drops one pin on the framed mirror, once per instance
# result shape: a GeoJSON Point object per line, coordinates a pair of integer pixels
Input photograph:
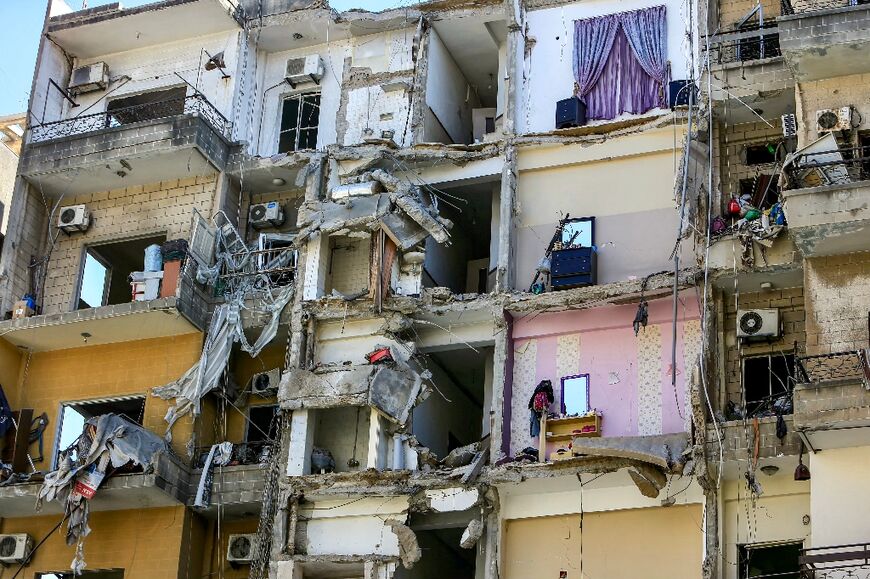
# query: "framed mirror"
{"type": "Point", "coordinates": [575, 394]}
{"type": "Point", "coordinates": [583, 227]}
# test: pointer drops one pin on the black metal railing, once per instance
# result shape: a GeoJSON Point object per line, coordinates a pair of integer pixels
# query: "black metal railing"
{"type": "Point", "coordinates": [836, 562]}
{"type": "Point", "coordinates": [244, 453]}
{"type": "Point", "coordinates": [789, 7]}
{"type": "Point", "coordinates": [834, 167]}
{"type": "Point", "coordinates": [822, 367]}
{"type": "Point", "coordinates": [195, 104]}
{"type": "Point", "coordinates": [745, 45]}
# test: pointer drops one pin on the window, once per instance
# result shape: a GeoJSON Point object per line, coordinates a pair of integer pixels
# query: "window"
{"type": "Point", "coordinates": [95, 574]}
{"type": "Point", "coordinates": [156, 104]}
{"type": "Point", "coordinates": [106, 269]}
{"type": "Point", "coordinates": [779, 560]}
{"type": "Point", "coordinates": [761, 154]}
{"type": "Point", "coordinates": [768, 381]}
{"type": "Point", "coordinates": [261, 424]}
{"type": "Point", "coordinates": [300, 115]}
{"type": "Point", "coordinates": [74, 415]}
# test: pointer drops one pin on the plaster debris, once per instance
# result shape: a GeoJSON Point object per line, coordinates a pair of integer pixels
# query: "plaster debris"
{"type": "Point", "coordinates": [409, 549]}
{"type": "Point", "coordinates": [471, 535]}
{"type": "Point", "coordinates": [667, 451]}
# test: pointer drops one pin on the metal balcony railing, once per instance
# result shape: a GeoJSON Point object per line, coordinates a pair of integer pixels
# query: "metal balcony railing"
{"type": "Point", "coordinates": [745, 45]}
{"type": "Point", "coordinates": [836, 562]}
{"type": "Point", "coordinates": [823, 367]}
{"type": "Point", "coordinates": [789, 7]}
{"type": "Point", "coordinates": [834, 167]}
{"type": "Point", "coordinates": [195, 104]}
{"type": "Point", "coordinates": [244, 453]}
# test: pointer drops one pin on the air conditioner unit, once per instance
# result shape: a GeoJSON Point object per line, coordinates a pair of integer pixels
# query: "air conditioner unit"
{"type": "Point", "coordinates": [90, 78]}
{"type": "Point", "coordinates": [758, 323]}
{"type": "Point", "coordinates": [266, 214]}
{"type": "Point", "coordinates": [302, 70]}
{"type": "Point", "coordinates": [789, 125]}
{"type": "Point", "coordinates": [242, 548]}
{"type": "Point", "coordinates": [15, 548]}
{"type": "Point", "coordinates": [74, 218]}
{"type": "Point", "coordinates": [265, 384]}
{"type": "Point", "coordinates": [828, 120]}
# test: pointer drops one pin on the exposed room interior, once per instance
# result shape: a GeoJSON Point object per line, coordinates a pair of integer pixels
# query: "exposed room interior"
{"type": "Point", "coordinates": [454, 415]}
{"type": "Point", "coordinates": [439, 535]}
{"type": "Point", "coordinates": [465, 264]}
{"type": "Point", "coordinates": [106, 269]}
{"type": "Point", "coordinates": [464, 82]}
{"type": "Point", "coordinates": [349, 265]}
{"type": "Point", "coordinates": [75, 414]}
{"type": "Point", "coordinates": [344, 433]}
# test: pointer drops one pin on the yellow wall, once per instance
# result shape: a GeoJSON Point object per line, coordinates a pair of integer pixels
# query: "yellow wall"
{"type": "Point", "coordinates": [654, 543]}
{"type": "Point", "coordinates": [91, 372]}
{"type": "Point", "coordinates": [10, 365]}
{"type": "Point", "coordinates": [839, 504]}
{"type": "Point", "coordinates": [146, 543]}
{"type": "Point", "coordinates": [214, 551]}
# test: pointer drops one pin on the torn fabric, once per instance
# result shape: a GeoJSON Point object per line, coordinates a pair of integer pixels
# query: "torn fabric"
{"type": "Point", "coordinates": [219, 455]}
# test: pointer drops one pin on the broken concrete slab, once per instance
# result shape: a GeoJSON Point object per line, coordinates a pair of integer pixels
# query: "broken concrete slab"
{"type": "Point", "coordinates": [471, 535]}
{"type": "Point", "coordinates": [409, 549]}
{"type": "Point", "coordinates": [650, 480]}
{"type": "Point", "coordinates": [453, 499]}
{"type": "Point", "coordinates": [665, 450]}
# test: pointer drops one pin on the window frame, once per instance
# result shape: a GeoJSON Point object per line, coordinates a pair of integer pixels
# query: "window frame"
{"type": "Point", "coordinates": [297, 127]}
{"type": "Point", "coordinates": [91, 250]}
{"type": "Point", "coordinates": [108, 400]}
{"type": "Point", "coordinates": [745, 548]}
{"type": "Point", "coordinates": [789, 387]}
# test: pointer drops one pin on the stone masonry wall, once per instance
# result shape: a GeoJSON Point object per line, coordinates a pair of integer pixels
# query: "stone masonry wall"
{"type": "Point", "coordinates": [838, 301]}
{"type": "Point", "coordinates": [164, 207]}
{"type": "Point", "coordinates": [791, 310]}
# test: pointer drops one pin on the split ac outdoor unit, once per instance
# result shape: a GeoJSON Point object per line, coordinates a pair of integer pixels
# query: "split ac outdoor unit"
{"type": "Point", "coordinates": [266, 214]}
{"type": "Point", "coordinates": [758, 323]}
{"type": "Point", "coordinates": [242, 548]}
{"type": "Point", "coordinates": [265, 384]}
{"type": "Point", "coordinates": [90, 78]}
{"type": "Point", "coordinates": [74, 218]}
{"type": "Point", "coordinates": [302, 70]}
{"type": "Point", "coordinates": [15, 548]}
{"type": "Point", "coordinates": [789, 125]}
{"type": "Point", "coordinates": [828, 120]}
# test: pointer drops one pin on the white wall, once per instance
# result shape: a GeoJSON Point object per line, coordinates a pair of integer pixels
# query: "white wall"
{"type": "Point", "coordinates": [338, 528]}
{"type": "Point", "coordinates": [448, 93]}
{"type": "Point", "coordinates": [160, 67]}
{"type": "Point", "coordinates": [551, 73]}
{"type": "Point", "coordinates": [339, 342]}
{"type": "Point", "coordinates": [840, 505]}
{"type": "Point", "coordinates": [8, 167]}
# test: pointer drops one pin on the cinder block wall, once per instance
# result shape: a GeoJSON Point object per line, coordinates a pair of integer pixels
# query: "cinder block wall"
{"type": "Point", "coordinates": [790, 303]}
{"type": "Point", "coordinates": [732, 11]}
{"type": "Point", "coordinates": [731, 158]}
{"type": "Point", "coordinates": [164, 207]}
{"type": "Point", "coordinates": [832, 93]}
{"type": "Point", "coordinates": [838, 301]}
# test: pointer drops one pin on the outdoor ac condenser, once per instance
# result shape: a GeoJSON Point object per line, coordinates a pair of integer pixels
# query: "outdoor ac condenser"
{"type": "Point", "coordinates": [758, 323]}
{"type": "Point", "coordinates": [242, 548]}
{"type": "Point", "coordinates": [89, 78]}
{"type": "Point", "coordinates": [73, 218]}
{"type": "Point", "coordinates": [15, 548]}
{"type": "Point", "coordinates": [266, 383]}
{"type": "Point", "coordinates": [266, 214]}
{"type": "Point", "coordinates": [302, 70]}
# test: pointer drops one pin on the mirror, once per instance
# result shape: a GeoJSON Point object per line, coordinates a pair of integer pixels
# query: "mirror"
{"type": "Point", "coordinates": [575, 394]}
{"type": "Point", "coordinates": [583, 229]}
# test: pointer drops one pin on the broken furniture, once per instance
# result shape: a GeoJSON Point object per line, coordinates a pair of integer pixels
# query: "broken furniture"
{"type": "Point", "coordinates": [561, 431]}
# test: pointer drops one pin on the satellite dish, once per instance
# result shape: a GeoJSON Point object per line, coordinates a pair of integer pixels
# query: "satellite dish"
{"type": "Point", "coordinates": [216, 61]}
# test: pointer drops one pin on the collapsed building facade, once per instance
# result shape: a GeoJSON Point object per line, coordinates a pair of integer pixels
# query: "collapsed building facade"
{"type": "Point", "coordinates": [306, 294]}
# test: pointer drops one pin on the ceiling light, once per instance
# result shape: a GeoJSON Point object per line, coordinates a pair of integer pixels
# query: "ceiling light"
{"type": "Point", "coordinates": [278, 181]}
{"type": "Point", "coordinates": [770, 469]}
{"type": "Point", "coordinates": [297, 36]}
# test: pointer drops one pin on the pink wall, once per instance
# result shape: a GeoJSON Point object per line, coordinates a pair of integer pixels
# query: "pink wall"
{"type": "Point", "coordinates": [608, 352]}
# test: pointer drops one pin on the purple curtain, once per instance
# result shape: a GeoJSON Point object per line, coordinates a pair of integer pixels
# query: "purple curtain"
{"type": "Point", "coordinates": [646, 31]}
{"type": "Point", "coordinates": [620, 62]}
{"type": "Point", "coordinates": [593, 40]}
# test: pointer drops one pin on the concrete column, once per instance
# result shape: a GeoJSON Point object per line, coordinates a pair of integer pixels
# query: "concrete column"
{"type": "Point", "coordinates": [25, 237]}
{"type": "Point", "coordinates": [377, 453]}
{"type": "Point", "coordinates": [301, 442]}
{"type": "Point", "coordinates": [501, 374]}
{"type": "Point", "coordinates": [285, 570]}
{"type": "Point", "coordinates": [504, 274]}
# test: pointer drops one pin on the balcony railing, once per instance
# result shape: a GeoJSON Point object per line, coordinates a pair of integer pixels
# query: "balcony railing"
{"type": "Point", "coordinates": [746, 45]}
{"type": "Point", "coordinates": [195, 104]}
{"type": "Point", "coordinates": [244, 453]}
{"type": "Point", "coordinates": [837, 562]}
{"type": "Point", "coordinates": [824, 367]}
{"type": "Point", "coordinates": [834, 167]}
{"type": "Point", "coordinates": [789, 7]}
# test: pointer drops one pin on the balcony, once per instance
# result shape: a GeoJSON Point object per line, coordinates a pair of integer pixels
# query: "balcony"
{"type": "Point", "coordinates": [238, 487]}
{"type": "Point", "coordinates": [847, 561]}
{"type": "Point", "coordinates": [825, 38]}
{"type": "Point", "coordinates": [832, 401]}
{"type": "Point", "coordinates": [826, 198]}
{"type": "Point", "coordinates": [748, 67]}
{"type": "Point", "coordinates": [123, 147]}
{"type": "Point", "coordinates": [165, 486]}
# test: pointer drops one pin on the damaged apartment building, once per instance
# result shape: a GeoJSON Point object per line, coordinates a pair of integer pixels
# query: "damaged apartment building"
{"type": "Point", "coordinates": [483, 289]}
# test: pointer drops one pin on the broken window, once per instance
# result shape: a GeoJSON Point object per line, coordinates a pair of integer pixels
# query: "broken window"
{"type": "Point", "coordinates": [74, 415]}
{"type": "Point", "coordinates": [147, 106]}
{"type": "Point", "coordinates": [439, 536]}
{"type": "Point", "coordinates": [104, 279]}
{"type": "Point", "coordinates": [761, 154]}
{"type": "Point", "coordinates": [276, 257]}
{"type": "Point", "coordinates": [768, 381]}
{"type": "Point", "coordinates": [90, 574]}
{"type": "Point", "coordinates": [780, 560]}
{"type": "Point", "coordinates": [300, 116]}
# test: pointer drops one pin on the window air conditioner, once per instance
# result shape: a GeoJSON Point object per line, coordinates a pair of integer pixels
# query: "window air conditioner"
{"type": "Point", "coordinates": [266, 214]}
{"type": "Point", "coordinates": [758, 323]}
{"type": "Point", "coordinates": [303, 70]}
{"type": "Point", "coordinates": [15, 548]}
{"type": "Point", "coordinates": [789, 125]}
{"type": "Point", "coordinates": [90, 78]}
{"type": "Point", "coordinates": [242, 548]}
{"type": "Point", "coordinates": [828, 120]}
{"type": "Point", "coordinates": [265, 384]}
{"type": "Point", "coordinates": [74, 218]}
